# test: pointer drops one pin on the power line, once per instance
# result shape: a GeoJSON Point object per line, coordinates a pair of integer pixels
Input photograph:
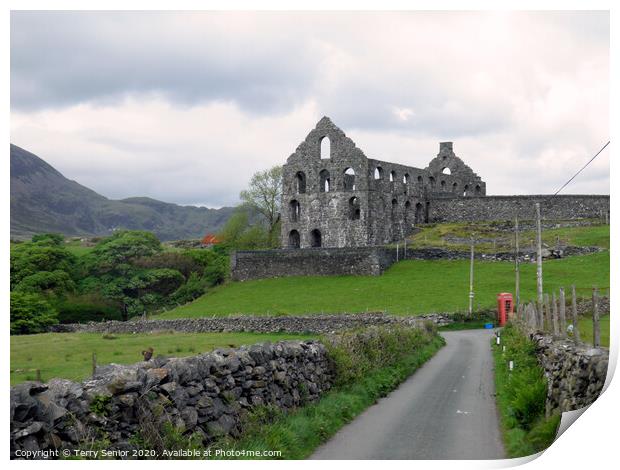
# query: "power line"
{"type": "Point", "coordinates": [583, 168]}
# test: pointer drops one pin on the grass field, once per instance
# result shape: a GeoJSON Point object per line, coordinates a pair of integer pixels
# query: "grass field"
{"type": "Point", "coordinates": [408, 287]}
{"type": "Point", "coordinates": [439, 235]}
{"type": "Point", "coordinates": [69, 355]}
{"type": "Point", "coordinates": [586, 328]}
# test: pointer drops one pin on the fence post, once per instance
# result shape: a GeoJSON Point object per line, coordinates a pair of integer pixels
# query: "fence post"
{"type": "Point", "coordinates": [554, 302]}
{"type": "Point", "coordinates": [562, 312]}
{"type": "Point", "coordinates": [94, 363]}
{"type": "Point", "coordinates": [549, 315]}
{"type": "Point", "coordinates": [596, 326]}
{"type": "Point", "coordinates": [38, 372]}
{"type": "Point", "coordinates": [397, 252]}
{"type": "Point", "coordinates": [575, 318]}
{"type": "Point", "coordinates": [540, 315]}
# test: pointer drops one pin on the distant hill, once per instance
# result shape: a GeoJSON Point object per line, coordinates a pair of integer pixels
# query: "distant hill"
{"type": "Point", "coordinates": [43, 200]}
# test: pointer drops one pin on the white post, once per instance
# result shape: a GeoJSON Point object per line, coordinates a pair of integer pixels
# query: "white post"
{"type": "Point", "coordinates": [471, 279]}
{"type": "Point", "coordinates": [539, 270]}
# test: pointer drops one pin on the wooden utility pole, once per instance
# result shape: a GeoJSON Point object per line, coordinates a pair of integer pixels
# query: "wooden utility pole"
{"type": "Point", "coordinates": [471, 279]}
{"type": "Point", "coordinates": [539, 272]}
{"type": "Point", "coordinates": [517, 286]}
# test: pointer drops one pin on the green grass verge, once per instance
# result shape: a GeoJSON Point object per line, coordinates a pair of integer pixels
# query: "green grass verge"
{"type": "Point", "coordinates": [521, 396]}
{"type": "Point", "coordinates": [69, 355]}
{"type": "Point", "coordinates": [586, 329]}
{"type": "Point", "coordinates": [297, 434]}
{"type": "Point", "coordinates": [408, 287]}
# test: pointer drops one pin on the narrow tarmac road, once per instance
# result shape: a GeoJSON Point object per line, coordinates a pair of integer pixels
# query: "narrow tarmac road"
{"type": "Point", "coordinates": [446, 410]}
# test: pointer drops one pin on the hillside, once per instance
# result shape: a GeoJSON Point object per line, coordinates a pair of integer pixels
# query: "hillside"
{"type": "Point", "coordinates": [43, 200]}
{"type": "Point", "coordinates": [413, 286]}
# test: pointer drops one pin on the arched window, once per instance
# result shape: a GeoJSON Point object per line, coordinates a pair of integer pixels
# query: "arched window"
{"type": "Point", "coordinates": [420, 180]}
{"type": "Point", "coordinates": [354, 208]}
{"type": "Point", "coordinates": [324, 181]}
{"type": "Point", "coordinates": [349, 179]}
{"type": "Point", "coordinates": [300, 182]}
{"type": "Point", "coordinates": [394, 208]}
{"type": "Point", "coordinates": [455, 186]}
{"type": "Point", "coordinates": [443, 185]}
{"type": "Point", "coordinates": [406, 178]}
{"type": "Point", "coordinates": [477, 189]}
{"type": "Point", "coordinates": [446, 171]}
{"type": "Point", "coordinates": [431, 181]}
{"type": "Point", "coordinates": [293, 239]}
{"type": "Point", "coordinates": [407, 212]}
{"type": "Point", "coordinates": [378, 173]}
{"type": "Point", "coordinates": [419, 213]}
{"type": "Point", "coordinates": [295, 210]}
{"type": "Point", "coordinates": [392, 176]}
{"type": "Point", "coordinates": [315, 239]}
{"type": "Point", "coordinates": [465, 189]}
{"type": "Point", "coordinates": [326, 148]}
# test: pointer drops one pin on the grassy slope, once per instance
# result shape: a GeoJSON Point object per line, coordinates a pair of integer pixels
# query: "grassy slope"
{"type": "Point", "coordinates": [69, 355]}
{"type": "Point", "coordinates": [433, 236]}
{"type": "Point", "coordinates": [585, 330]}
{"type": "Point", "coordinates": [408, 287]}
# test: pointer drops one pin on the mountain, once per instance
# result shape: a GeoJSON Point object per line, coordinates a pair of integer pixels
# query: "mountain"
{"type": "Point", "coordinates": [43, 200]}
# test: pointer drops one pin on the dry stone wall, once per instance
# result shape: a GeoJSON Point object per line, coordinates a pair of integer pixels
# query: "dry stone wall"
{"type": "Point", "coordinates": [500, 208]}
{"type": "Point", "coordinates": [575, 372]}
{"type": "Point", "coordinates": [319, 324]}
{"type": "Point", "coordinates": [207, 394]}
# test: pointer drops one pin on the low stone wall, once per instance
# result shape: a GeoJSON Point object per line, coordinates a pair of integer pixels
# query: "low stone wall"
{"type": "Point", "coordinates": [319, 324]}
{"type": "Point", "coordinates": [247, 265]}
{"type": "Point", "coordinates": [500, 208]}
{"type": "Point", "coordinates": [575, 372]}
{"type": "Point", "coordinates": [363, 261]}
{"type": "Point", "coordinates": [207, 394]}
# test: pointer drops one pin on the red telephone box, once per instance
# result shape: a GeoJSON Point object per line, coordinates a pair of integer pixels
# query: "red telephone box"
{"type": "Point", "coordinates": [504, 307]}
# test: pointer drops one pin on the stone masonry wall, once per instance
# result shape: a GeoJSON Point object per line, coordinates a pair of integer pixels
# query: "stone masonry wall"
{"type": "Point", "coordinates": [247, 265]}
{"type": "Point", "coordinates": [206, 394]}
{"type": "Point", "coordinates": [575, 372]}
{"type": "Point", "coordinates": [319, 324]}
{"type": "Point", "coordinates": [362, 261]}
{"type": "Point", "coordinates": [561, 207]}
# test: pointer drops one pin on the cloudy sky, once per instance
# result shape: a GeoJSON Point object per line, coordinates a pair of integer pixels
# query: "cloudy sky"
{"type": "Point", "coordinates": [185, 107]}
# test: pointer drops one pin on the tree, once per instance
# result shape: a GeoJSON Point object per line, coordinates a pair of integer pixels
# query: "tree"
{"type": "Point", "coordinates": [50, 283]}
{"type": "Point", "coordinates": [264, 195]}
{"type": "Point", "coordinates": [31, 313]}
{"type": "Point", "coordinates": [115, 253]}
{"type": "Point", "coordinates": [31, 258]}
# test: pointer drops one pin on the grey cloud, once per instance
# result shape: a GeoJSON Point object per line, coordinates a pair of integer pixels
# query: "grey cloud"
{"type": "Point", "coordinates": [63, 58]}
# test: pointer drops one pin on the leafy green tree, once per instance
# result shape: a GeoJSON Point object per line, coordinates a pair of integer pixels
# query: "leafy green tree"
{"type": "Point", "coordinates": [54, 239]}
{"type": "Point", "coordinates": [31, 258]}
{"type": "Point", "coordinates": [50, 283]}
{"type": "Point", "coordinates": [31, 313]}
{"type": "Point", "coordinates": [115, 253]}
{"type": "Point", "coordinates": [264, 195]}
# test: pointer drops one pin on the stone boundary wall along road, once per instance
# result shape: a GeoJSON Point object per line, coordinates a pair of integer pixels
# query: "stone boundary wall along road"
{"type": "Point", "coordinates": [319, 324]}
{"type": "Point", "coordinates": [575, 372]}
{"type": "Point", "coordinates": [206, 394]}
{"type": "Point", "coordinates": [500, 208]}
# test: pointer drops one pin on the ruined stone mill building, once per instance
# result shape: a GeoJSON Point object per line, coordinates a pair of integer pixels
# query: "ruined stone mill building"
{"type": "Point", "coordinates": [340, 209]}
{"type": "Point", "coordinates": [335, 196]}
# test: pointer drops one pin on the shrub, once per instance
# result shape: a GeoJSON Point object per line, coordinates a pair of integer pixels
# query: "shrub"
{"type": "Point", "coordinates": [192, 289]}
{"type": "Point", "coordinates": [357, 352]}
{"type": "Point", "coordinates": [31, 313]}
